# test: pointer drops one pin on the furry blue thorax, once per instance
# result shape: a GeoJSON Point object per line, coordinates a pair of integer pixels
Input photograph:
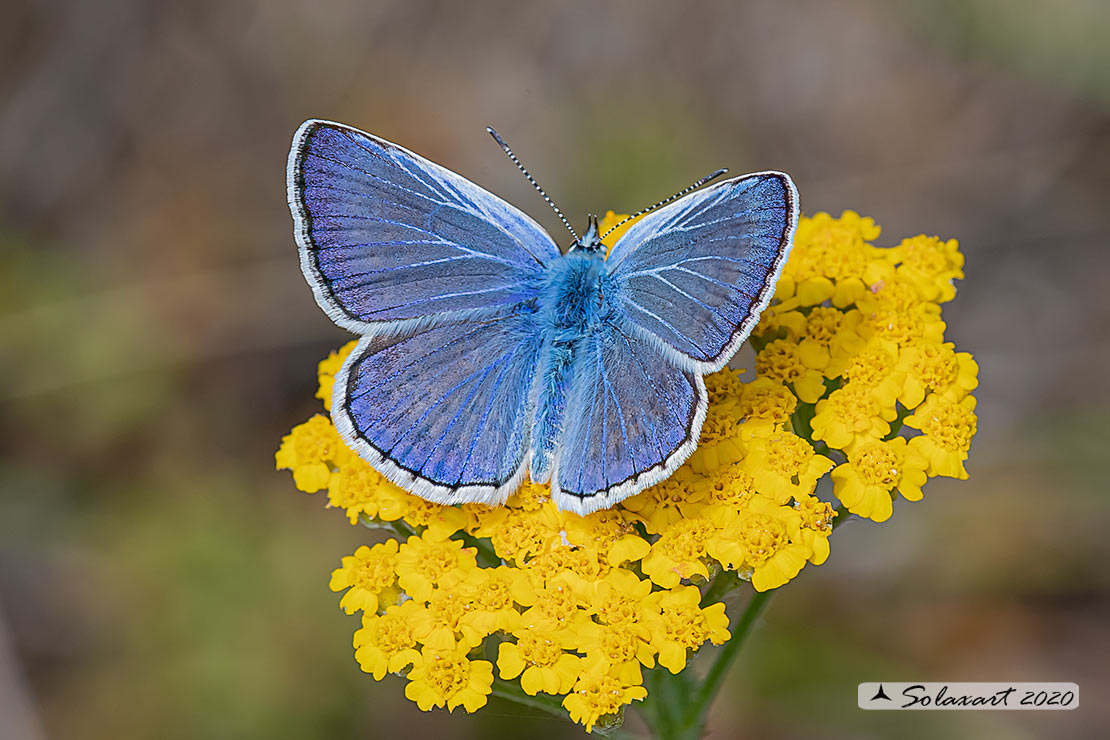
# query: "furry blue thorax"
{"type": "Point", "coordinates": [578, 296]}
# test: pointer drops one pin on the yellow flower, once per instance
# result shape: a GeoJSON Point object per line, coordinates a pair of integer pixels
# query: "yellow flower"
{"type": "Point", "coordinates": [556, 606]}
{"type": "Point", "coordinates": [448, 677]}
{"type": "Point", "coordinates": [440, 625]}
{"type": "Point", "coordinates": [367, 573]}
{"type": "Point", "coordinates": [932, 265]}
{"type": "Point", "coordinates": [903, 327]}
{"type": "Point", "coordinates": [311, 450]}
{"type": "Point", "coordinates": [679, 553]}
{"type": "Point", "coordinates": [540, 661]}
{"type": "Point", "coordinates": [427, 561]}
{"type": "Point", "coordinates": [766, 405]}
{"type": "Point", "coordinates": [830, 248]}
{"type": "Point", "coordinates": [530, 497]}
{"type": "Point", "coordinates": [597, 695]}
{"type": "Point", "coordinates": [619, 649]}
{"type": "Point", "coordinates": [326, 370]}
{"type": "Point", "coordinates": [723, 386]}
{"type": "Point", "coordinates": [830, 336]}
{"type": "Point", "coordinates": [440, 521]}
{"type": "Point", "coordinates": [875, 469]}
{"type": "Point", "coordinates": [817, 524]}
{"type": "Point", "coordinates": [784, 466]}
{"type": "Point", "coordinates": [620, 597]}
{"type": "Point", "coordinates": [785, 361]}
{"type": "Point", "coordinates": [851, 415]}
{"type": "Point", "coordinates": [875, 367]}
{"type": "Point", "coordinates": [355, 488]}
{"type": "Point", "coordinates": [765, 542]}
{"type": "Point", "coordinates": [609, 532]}
{"type": "Point", "coordinates": [730, 491]}
{"type": "Point", "coordinates": [683, 626]}
{"type": "Point", "coordinates": [948, 427]}
{"type": "Point", "coordinates": [929, 366]}
{"type": "Point", "coordinates": [720, 438]}
{"type": "Point", "coordinates": [576, 563]}
{"type": "Point", "coordinates": [675, 499]}
{"type": "Point", "coordinates": [386, 643]}
{"type": "Point", "coordinates": [518, 535]}
{"type": "Point", "coordinates": [492, 606]}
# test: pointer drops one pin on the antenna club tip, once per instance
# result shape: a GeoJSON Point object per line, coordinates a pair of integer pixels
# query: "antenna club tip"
{"type": "Point", "coordinates": [496, 136]}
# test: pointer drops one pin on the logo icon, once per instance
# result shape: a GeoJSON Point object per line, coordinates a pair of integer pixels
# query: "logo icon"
{"type": "Point", "coordinates": [880, 694]}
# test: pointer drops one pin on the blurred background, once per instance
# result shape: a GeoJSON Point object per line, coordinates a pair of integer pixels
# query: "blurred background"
{"type": "Point", "coordinates": [158, 579]}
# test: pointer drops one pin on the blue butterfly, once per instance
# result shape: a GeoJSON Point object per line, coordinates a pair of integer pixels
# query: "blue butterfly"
{"type": "Point", "coordinates": [486, 353]}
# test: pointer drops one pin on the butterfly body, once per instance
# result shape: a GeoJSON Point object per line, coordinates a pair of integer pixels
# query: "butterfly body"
{"type": "Point", "coordinates": [576, 300]}
{"type": "Point", "coordinates": [486, 354]}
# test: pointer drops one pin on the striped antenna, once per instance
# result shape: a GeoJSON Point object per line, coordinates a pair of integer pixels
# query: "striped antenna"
{"type": "Point", "coordinates": [704, 181]}
{"type": "Point", "coordinates": [501, 143]}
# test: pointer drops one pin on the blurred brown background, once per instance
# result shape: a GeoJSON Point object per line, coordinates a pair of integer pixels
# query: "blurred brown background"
{"type": "Point", "coordinates": [158, 579]}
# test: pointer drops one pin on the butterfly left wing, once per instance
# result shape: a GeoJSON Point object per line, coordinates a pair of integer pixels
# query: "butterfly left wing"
{"type": "Point", "coordinates": [694, 276]}
{"type": "Point", "coordinates": [391, 242]}
{"type": "Point", "coordinates": [632, 419]}
{"type": "Point", "coordinates": [443, 412]}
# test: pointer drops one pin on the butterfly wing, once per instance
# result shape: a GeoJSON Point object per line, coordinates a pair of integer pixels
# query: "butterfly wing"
{"type": "Point", "coordinates": [437, 275]}
{"type": "Point", "coordinates": [632, 419]}
{"type": "Point", "coordinates": [442, 412]}
{"type": "Point", "coordinates": [695, 275]}
{"type": "Point", "coordinates": [391, 242]}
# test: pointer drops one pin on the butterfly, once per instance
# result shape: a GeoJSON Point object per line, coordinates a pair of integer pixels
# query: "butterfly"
{"type": "Point", "coordinates": [486, 353]}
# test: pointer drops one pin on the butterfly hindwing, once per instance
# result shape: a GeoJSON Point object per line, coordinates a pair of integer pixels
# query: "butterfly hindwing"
{"type": "Point", "coordinates": [696, 274]}
{"type": "Point", "coordinates": [632, 419]}
{"type": "Point", "coordinates": [443, 412]}
{"type": "Point", "coordinates": [390, 241]}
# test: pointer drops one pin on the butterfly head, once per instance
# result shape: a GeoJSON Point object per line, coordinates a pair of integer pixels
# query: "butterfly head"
{"type": "Point", "coordinates": [591, 240]}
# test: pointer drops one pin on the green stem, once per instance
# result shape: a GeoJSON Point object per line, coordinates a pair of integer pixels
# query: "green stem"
{"type": "Point", "coordinates": [677, 705]}
{"type": "Point", "coordinates": [512, 692]}
{"type": "Point", "coordinates": [697, 714]}
{"type": "Point", "coordinates": [402, 529]}
{"type": "Point", "coordinates": [726, 581]}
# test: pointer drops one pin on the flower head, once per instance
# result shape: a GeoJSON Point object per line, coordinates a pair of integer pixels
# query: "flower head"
{"type": "Point", "coordinates": [449, 677]}
{"type": "Point", "coordinates": [578, 607]}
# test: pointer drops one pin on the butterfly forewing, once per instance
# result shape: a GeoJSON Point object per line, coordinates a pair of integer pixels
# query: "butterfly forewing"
{"type": "Point", "coordinates": [390, 241]}
{"type": "Point", "coordinates": [696, 274]}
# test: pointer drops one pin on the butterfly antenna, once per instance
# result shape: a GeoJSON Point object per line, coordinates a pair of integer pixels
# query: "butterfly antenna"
{"type": "Point", "coordinates": [501, 143]}
{"type": "Point", "coordinates": [703, 181]}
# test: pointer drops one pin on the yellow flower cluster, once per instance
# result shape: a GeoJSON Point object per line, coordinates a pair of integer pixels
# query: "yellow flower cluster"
{"type": "Point", "coordinates": [576, 607]}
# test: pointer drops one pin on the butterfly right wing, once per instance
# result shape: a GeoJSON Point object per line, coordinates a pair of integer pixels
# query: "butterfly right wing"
{"type": "Point", "coordinates": [695, 275]}
{"type": "Point", "coordinates": [443, 412]}
{"type": "Point", "coordinates": [391, 242]}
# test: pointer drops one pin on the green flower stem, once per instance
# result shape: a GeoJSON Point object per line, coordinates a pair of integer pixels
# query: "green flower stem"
{"type": "Point", "coordinates": [512, 692]}
{"type": "Point", "coordinates": [697, 713]}
{"type": "Point", "coordinates": [402, 529]}
{"type": "Point", "coordinates": [726, 581]}
{"type": "Point", "coordinates": [677, 709]}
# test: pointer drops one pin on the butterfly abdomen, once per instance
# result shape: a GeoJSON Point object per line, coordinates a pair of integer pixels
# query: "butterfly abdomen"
{"type": "Point", "coordinates": [572, 304]}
